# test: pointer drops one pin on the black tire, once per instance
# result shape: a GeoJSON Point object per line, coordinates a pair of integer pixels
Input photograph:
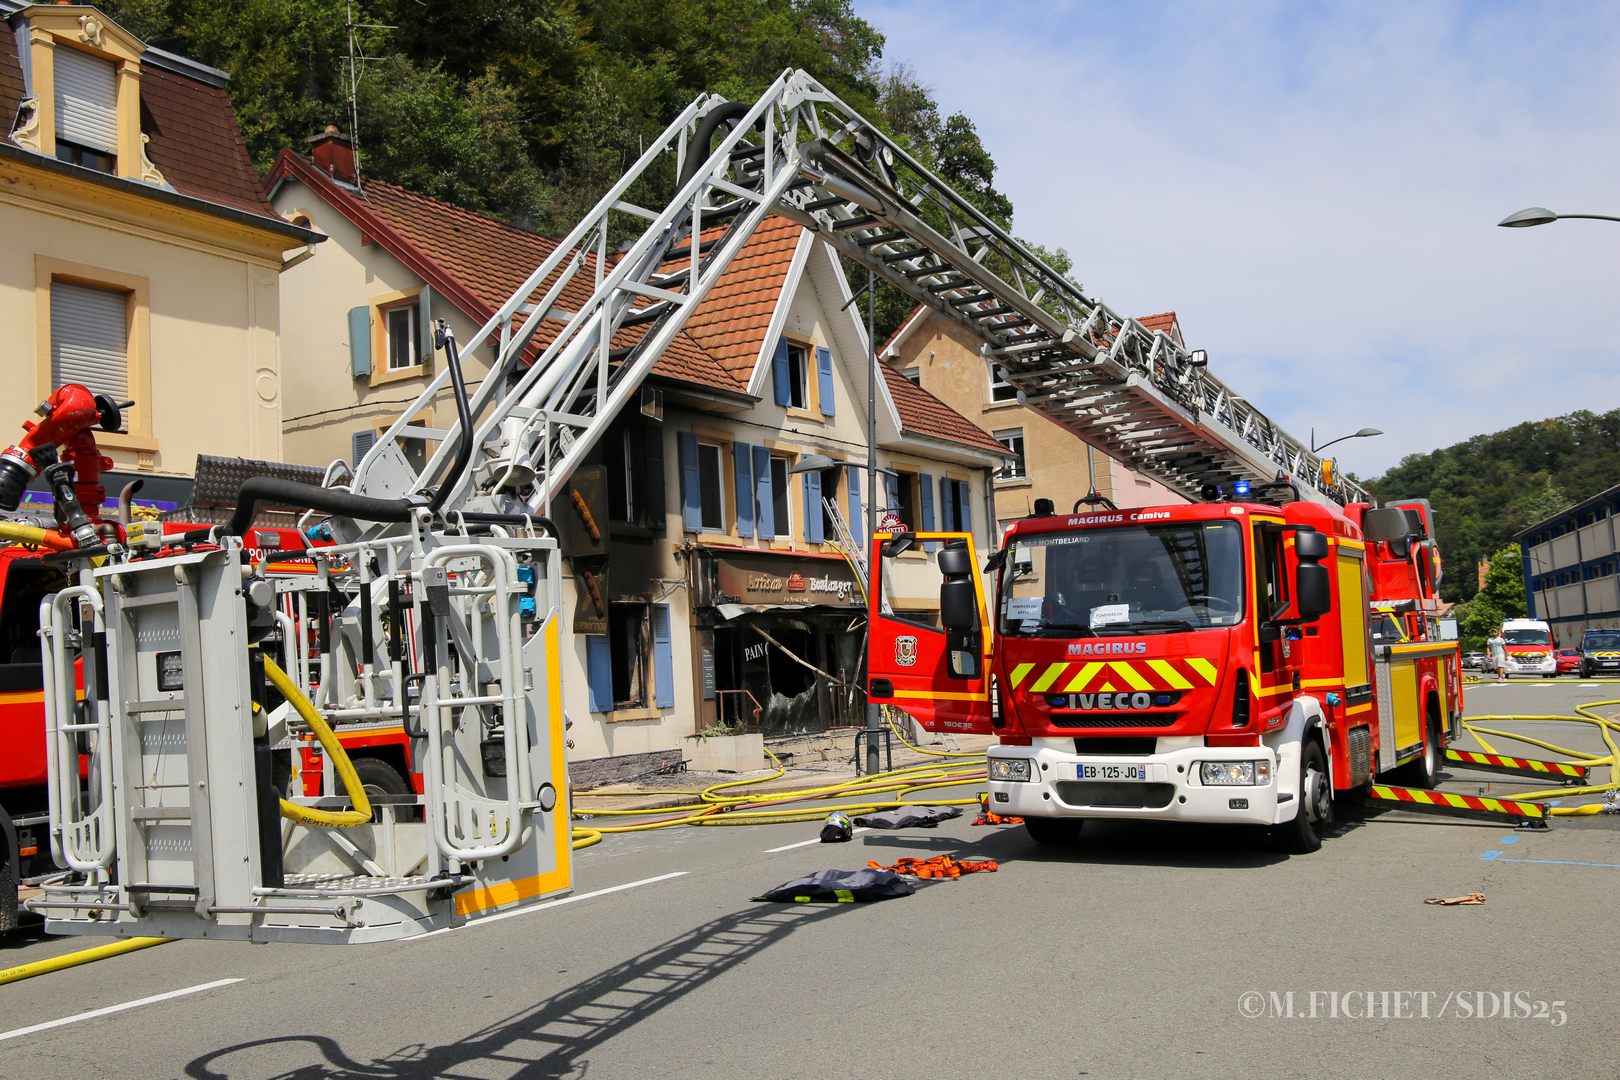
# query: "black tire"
{"type": "Point", "coordinates": [378, 777]}
{"type": "Point", "coordinates": [1304, 834]}
{"type": "Point", "coordinates": [1057, 832]}
{"type": "Point", "coordinates": [8, 897]}
{"type": "Point", "coordinates": [1424, 771]}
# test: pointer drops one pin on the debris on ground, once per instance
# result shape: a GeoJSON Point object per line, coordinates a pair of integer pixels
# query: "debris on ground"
{"type": "Point", "coordinates": [940, 866]}
{"type": "Point", "coordinates": [1455, 901]}
{"type": "Point", "coordinates": [909, 817]}
{"type": "Point", "coordinates": [841, 887]}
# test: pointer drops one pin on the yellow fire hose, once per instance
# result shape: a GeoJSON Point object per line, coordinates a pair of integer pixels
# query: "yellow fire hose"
{"type": "Point", "coordinates": [360, 814]}
{"type": "Point", "coordinates": [1606, 728]}
{"type": "Point", "coordinates": [17, 533]}
{"type": "Point", "coordinates": [74, 959]}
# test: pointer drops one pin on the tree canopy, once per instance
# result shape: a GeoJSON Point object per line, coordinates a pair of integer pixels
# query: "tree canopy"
{"type": "Point", "coordinates": [1488, 488]}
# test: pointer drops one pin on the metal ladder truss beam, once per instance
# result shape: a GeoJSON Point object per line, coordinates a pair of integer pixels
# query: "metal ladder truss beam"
{"type": "Point", "coordinates": [801, 151]}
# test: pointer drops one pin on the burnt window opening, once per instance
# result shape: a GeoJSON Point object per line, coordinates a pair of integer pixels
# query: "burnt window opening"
{"type": "Point", "coordinates": [627, 642]}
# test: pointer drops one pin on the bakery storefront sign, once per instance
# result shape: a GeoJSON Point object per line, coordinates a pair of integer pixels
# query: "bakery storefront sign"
{"type": "Point", "coordinates": [760, 578]}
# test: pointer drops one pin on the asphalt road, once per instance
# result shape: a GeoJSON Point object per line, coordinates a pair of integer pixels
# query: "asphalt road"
{"type": "Point", "coordinates": [1143, 951]}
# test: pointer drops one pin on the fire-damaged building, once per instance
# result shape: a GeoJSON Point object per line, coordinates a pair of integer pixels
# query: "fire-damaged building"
{"type": "Point", "coordinates": [709, 585]}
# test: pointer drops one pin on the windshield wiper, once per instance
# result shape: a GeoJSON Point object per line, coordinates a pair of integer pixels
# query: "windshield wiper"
{"type": "Point", "coordinates": [1060, 630]}
{"type": "Point", "coordinates": [1149, 625]}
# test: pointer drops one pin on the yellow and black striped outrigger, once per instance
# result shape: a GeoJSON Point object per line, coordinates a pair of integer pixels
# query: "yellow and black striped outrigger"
{"type": "Point", "coordinates": [1522, 812]}
{"type": "Point", "coordinates": [1558, 770]}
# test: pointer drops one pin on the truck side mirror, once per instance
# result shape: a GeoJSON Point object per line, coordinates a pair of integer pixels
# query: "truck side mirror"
{"type": "Point", "coordinates": [954, 561]}
{"type": "Point", "coordinates": [1311, 588]}
{"type": "Point", "coordinates": [958, 606]}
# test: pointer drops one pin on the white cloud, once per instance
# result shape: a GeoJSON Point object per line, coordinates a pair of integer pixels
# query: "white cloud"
{"type": "Point", "coordinates": [1315, 190]}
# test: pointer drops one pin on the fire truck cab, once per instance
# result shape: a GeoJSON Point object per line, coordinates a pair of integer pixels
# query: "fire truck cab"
{"type": "Point", "coordinates": [1210, 662]}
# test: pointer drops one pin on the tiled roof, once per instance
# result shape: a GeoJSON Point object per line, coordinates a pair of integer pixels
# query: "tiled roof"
{"type": "Point", "coordinates": [921, 413]}
{"type": "Point", "coordinates": [1165, 322]}
{"type": "Point", "coordinates": [11, 84]}
{"type": "Point", "coordinates": [732, 320]}
{"type": "Point", "coordinates": [477, 262]}
{"type": "Point", "coordinates": [195, 141]}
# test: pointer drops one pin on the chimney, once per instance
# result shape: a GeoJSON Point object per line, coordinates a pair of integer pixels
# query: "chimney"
{"type": "Point", "coordinates": [333, 154]}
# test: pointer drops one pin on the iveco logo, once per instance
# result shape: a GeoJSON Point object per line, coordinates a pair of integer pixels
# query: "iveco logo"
{"type": "Point", "coordinates": [1106, 648]}
{"type": "Point", "coordinates": [1114, 701]}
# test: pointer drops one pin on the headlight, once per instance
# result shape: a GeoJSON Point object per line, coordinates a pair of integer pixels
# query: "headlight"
{"type": "Point", "coordinates": [1015, 769]}
{"type": "Point", "coordinates": [1248, 773]}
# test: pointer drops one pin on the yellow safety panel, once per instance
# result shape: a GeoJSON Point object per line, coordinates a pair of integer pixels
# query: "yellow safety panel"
{"type": "Point", "coordinates": [1404, 702]}
{"type": "Point", "coordinates": [1352, 618]}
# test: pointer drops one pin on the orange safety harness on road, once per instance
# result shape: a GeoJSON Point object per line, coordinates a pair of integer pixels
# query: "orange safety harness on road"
{"type": "Point", "coordinates": [940, 866]}
{"type": "Point", "coordinates": [988, 817]}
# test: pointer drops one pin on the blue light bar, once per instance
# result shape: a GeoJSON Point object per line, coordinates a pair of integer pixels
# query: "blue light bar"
{"type": "Point", "coordinates": [1240, 489]}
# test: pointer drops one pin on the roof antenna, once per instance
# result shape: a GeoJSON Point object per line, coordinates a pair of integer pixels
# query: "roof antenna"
{"type": "Point", "coordinates": [356, 57]}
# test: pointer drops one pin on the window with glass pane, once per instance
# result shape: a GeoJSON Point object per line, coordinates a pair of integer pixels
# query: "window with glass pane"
{"type": "Point", "coordinates": [1000, 388]}
{"type": "Point", "coordinates": [1014, 442]}
{"type": "Point", "coordinates": [798, 376]}
{"type": "Point", "coordinates": [400, 324]}
{"type": "Point", "coordinates": [781, 498]}
{"type": "Point", "coordinates": [711, 487]}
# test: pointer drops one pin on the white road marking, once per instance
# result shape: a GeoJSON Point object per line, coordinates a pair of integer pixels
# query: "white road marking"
{"type": "Point", "coordinates": [110, 1009]}
{"type": "Point", "coordinates": [550, 904]}
{"type": "Point", "coordinates": [803, 843]}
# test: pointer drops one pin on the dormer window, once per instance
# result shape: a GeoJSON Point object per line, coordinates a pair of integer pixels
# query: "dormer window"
{"type": "Point", "coordinates": [82, 81]}
{"type": "Point", "coordinates": [86, 110]}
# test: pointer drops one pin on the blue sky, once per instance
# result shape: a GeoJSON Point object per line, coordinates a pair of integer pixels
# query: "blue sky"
{"type": "Point", "coordinates": [1314, 188]}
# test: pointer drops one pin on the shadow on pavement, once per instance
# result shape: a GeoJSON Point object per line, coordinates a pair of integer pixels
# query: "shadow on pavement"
{"type": "Point", "coordinates": [556, 1036]}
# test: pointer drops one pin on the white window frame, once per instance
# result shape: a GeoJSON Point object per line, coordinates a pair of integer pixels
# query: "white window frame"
{"type": "Point", "coordinates": [412, 310]}
{"type": "Point", "coordinates": [1019, 469]}
{"type": "Point", "coordinates": [1001, 390]}
{"type": "Point", "coordinates": [798, 384]}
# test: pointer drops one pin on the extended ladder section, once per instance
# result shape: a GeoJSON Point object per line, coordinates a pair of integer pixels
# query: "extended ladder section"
{"type": "Point", "coordinates": [566, 367]}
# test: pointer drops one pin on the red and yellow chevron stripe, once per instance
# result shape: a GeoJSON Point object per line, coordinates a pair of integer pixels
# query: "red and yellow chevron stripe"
{"type": "Point", "coordinates": [1516, 764]}
{"type": "Point", "coordinates": [1104, 676]}
{"type": "Point", "coordinates": [1446, 801]}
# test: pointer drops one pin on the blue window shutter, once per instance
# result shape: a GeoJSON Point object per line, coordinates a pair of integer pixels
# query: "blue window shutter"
{"type": "Point", "coordinates": [925, 487]}
{"type": "Point", "coordinates": [812, 508]}
{"type": "Point", "coordinates": [947, 504]}
{"type": "Point", "coordinates": [663, 658]}
{"type": "Point", "coordinates": [361, 441]}
{"type": "Point", "coordinates": [599, 672]}
{"type": "Point", "coordinates": [742, 462]}
{"type": "Point", "coordinates": [824, 366]}
{"type": "Point", "coordinates": [691, 492]}
{"type": "Point", "coordinates": [424, 324]}
{"type": "Point", "coordinates": [360, 342]}
{"type": "Point", "coordinates": [766, 496]}
{"type": "Point", "coordinates": [779, 373]}
{"type": "Point", "coordinates": [964, 504]}
{"type": "Point", "coordinates": [857, 521]}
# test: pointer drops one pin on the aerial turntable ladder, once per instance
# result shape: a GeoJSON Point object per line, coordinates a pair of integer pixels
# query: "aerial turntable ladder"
{"type": "Point", "coordinates": [434, 596]}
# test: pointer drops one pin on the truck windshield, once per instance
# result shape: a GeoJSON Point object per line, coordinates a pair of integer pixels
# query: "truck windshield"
{"type": "Point", "coordinates": [1601, 641]}
{"type": "Point", "coordinates": [1131, 580]}
{"type": "Point", "coordinates": [1527, 637]}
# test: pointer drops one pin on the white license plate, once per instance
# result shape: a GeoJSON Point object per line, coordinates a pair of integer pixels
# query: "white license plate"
{"type": "Point", "coordinates": [1113, 771]}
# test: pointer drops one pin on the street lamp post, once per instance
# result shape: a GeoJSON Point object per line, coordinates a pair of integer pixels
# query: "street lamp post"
{"type": "Point", "coordinates": [1364, 433]}
{"type": "Point", "coordinates": [1540, 215]}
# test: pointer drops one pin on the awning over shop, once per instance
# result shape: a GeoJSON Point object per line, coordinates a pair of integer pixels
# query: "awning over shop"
{"type": "Point", "coordinates": [739, 582]}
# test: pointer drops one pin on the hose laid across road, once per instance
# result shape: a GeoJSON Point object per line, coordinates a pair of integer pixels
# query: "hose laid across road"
{"type": "Point", "coordinates": [1606, 728]}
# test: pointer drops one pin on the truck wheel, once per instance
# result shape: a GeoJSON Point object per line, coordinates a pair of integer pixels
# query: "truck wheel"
{"type": "Point", "coordinates": [1303, 835]}
{"type": "Point", "coordinates": [1424, 771]}
{"type": "Point", "coordinates": [8, 897]}
{"type": "Point", "coordinates": [1056, 832]}
{"type": "Point", "coordinates": [378, 777]}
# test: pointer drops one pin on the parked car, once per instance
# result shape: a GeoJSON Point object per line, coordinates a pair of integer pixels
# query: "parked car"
{"type": "Point", "coordinates": [1474, 660]}
{"type": "Point", "coordinates": [1569, 661]}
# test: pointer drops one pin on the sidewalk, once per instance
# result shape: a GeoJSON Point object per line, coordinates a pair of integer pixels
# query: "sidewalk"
{"type": "Point", "coordinates": [812, 762]}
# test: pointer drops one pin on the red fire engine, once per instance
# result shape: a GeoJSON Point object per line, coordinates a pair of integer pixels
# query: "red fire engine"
{"type": "Point", "coordinates": [1209, 662]}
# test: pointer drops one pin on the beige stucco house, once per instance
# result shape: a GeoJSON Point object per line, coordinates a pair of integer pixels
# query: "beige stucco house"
{"type": "Point", "coordinates": [140, 256]}
{"type": "Point", "coordinates": [715, 594]}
